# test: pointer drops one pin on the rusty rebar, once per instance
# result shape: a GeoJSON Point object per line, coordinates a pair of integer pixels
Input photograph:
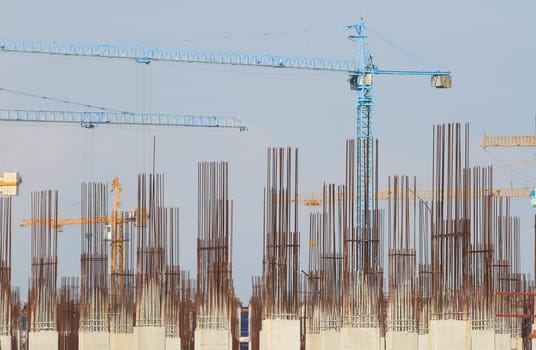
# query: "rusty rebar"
{"type": "Point", "coordinates": [402, 256]}
{"type": "Point", "coordinates": [280, 299]}
{"type": "Point", "coordinates": [215, 293]}
{"type": "Point", "coordinates": [122, 283]}
{"type": "Point", "coordinates": [68, 313]}
{"type": "Point", "coordinates": [44, 246]}
{"type": "Point", "coordinates": [150, 264]}
{"type": "Point", "coordinates": [94, 296]}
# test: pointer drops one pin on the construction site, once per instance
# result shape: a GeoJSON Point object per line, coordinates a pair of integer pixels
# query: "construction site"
{"type": "Point", "coordinates": [432, 261]}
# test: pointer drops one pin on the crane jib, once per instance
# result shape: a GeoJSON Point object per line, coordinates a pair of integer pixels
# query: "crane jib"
{"type": "Point", "coordinates": [91, 119]}
{"type": "Point", "coordinates": [147, 55]}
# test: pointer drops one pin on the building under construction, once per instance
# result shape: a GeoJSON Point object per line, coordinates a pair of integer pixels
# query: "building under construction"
{"type": "Point", "coordinates": [440, 272]}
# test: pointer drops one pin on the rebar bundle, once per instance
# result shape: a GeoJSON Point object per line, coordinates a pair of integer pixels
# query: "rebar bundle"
{"type": "Point", "coordinates": [255, 312]}
{"type": "Point", "coordinates": [363, 300]}
{"type": "Point", "coordinates": [44, 246]}
{"type": "Point", "coordinates": [527, 305]}
{"type": "Point", "coordinates": [173, 275]}
{"type": "Point", "coordinates": [331, 259]}
{"type": "Point", "coordinates": [214, 299]}
{"type": "Point", "coordinates": [5, 266]}
{"type": "Point", "coordinates": [187, 311]}
{"type": "Point", "coordinates": [475, 241]}
{"type": "Point", "coordinates": [151, 239]}
{"type": "Point", "coordinates": [236, 311]}
{"type": "Point", "coordinates": [483, 209]}
{"type": "Point", "coordinates": [122, 283]}
{"type": "Point", "coordinates": [16, 324]}
{"type": "Point", "coordinates": [94, 259]}
{"type": "Point", "coordinates": [402, 256]}
{"type": "Point", "coordinates": [172, 316]}
{"type": "Point", "coordinates": [281, 237]}
{"type": "Point", "coordinates": [451, 222]}
{"type": "Point", "coordinates": [506, 269]}
{"type": "Point", "coordinates": [68, 313]}
{"type": "Point", "coordinates": [424, 279]}
{"type": "Point", "coordinates": [313, 315]}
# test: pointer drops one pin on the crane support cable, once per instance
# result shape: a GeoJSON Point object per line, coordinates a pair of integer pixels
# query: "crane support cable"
{"type": "Point", "coordinates": [80, 104]}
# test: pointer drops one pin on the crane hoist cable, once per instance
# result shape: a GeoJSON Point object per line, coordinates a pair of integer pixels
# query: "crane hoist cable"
{"type": "Point", "coordinates": [507, 166]}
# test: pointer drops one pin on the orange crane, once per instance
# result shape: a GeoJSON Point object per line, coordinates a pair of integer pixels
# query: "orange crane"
{"type": "Point", "coordinates": [114, 221]}
{"type": "Point", "coordinates": [315, 199]}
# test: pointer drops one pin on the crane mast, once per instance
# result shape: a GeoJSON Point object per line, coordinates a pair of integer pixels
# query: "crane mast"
{"type": "Point", "coordinates": [363, 83]}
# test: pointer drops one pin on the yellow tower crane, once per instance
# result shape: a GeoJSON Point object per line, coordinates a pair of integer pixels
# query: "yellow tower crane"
{"type": "Point", "coordinates": [508, 141]}
{"type": "Point", "coordinates": [512, 141]}
{"type": "Point", "coordinates": [315, 199]}
{"type": "Point", "coordinates": [114, 221]}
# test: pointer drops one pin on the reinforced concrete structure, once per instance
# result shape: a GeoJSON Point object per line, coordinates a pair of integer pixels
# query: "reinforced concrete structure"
{"type": "Point", "coordinates": [152, 231]}
{"type": "Point", "coordinates": [215, 293]}
{"type": "Point", "coordinates": [453, 274]}
{"type": "Point", "coordinates": [69, 313]}
{"type": "Point", "coordinates": [94, 298]}
{"type": "Point", "coordinates": [280, 328]}
{"type": "Point", "coordinates": [43, 333]}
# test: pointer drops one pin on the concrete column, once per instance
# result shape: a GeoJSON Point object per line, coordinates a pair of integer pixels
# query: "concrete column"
{"type": "Point", "coordinates": [150, 338]}
{"type": "Point", "coordinates": [212, 339]}
{"type": "Point", "coordinates": [502, 341]}
{"type": "Point", "coordinates": [518, 341]}
{"type": "Point", "coordinates": [5, 342]}
{"type": "Point", "coordinates": [43, 340]}
{"type": "Point", "coordinates": [122, 341]}
{"type": "Point", "coordinates": [93, 341]}
{"type": "Point", "coordinates": [173, 343]}
{"type": "Point", "coordinates": [450, 334]}
{"type": "Point", "coordinates": [265, 338]}
{"type": "Point", "coordinates": [361, 338]}
{"type": "Point", "coordinates": [482, 339]}
{"type": "Point", "coordinates": [313, 342]}
{"type": "Point", "coordinates": [280, 334]}
{"type": "Point", "coordinates": [401, 341]}
{"type": "Point", "coordinates": [331, 339]}
{"type": "Point", "coordinates": [423, 341]}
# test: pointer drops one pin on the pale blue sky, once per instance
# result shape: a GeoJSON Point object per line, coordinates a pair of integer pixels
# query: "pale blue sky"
{"type": "Point", "coordinates": [488, 45]}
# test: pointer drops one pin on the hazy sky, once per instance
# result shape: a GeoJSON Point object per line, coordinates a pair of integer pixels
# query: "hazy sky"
{"type": "Point", "coordinates": [488, 45]}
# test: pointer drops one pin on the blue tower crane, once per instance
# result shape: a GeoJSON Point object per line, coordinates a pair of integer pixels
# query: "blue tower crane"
{"type": "Point", "coordinates": [362, 73]}
{"type": "Point", "coordinates": [91, 119]}
{"type": "Point", "coordinates": [362, 81]}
